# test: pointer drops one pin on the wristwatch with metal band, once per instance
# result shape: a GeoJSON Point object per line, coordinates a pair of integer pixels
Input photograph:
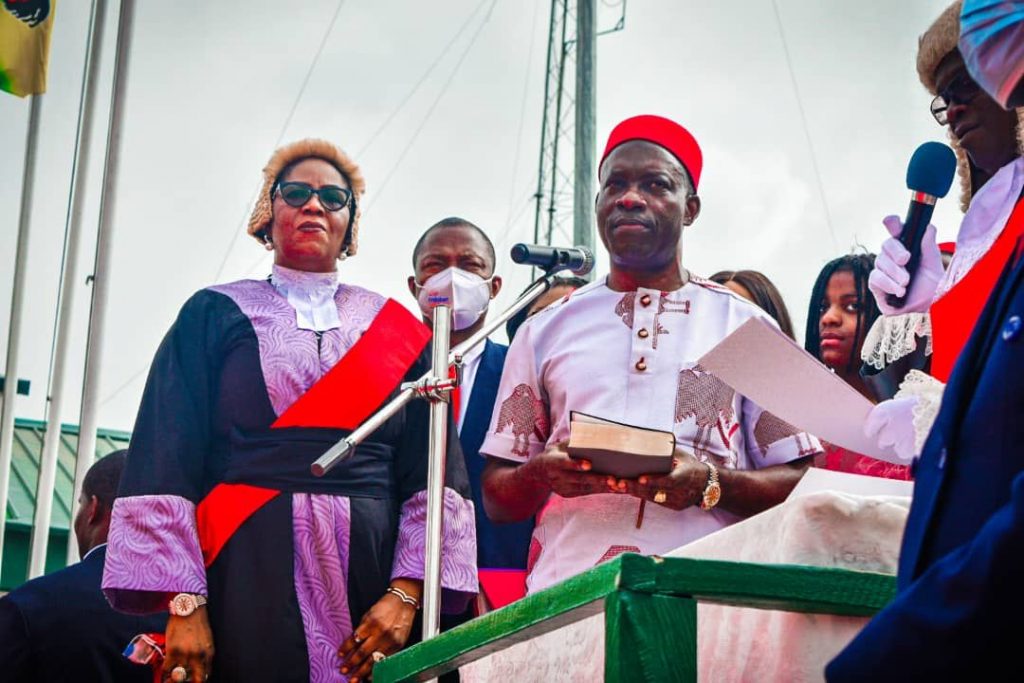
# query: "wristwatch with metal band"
{"type": "Point", "coordinates": [712, 490]}
{"type": "Point", "coordinates": [184, 604]}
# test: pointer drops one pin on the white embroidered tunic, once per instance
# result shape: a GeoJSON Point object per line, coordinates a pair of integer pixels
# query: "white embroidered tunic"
{"type": "Point", "coordinates": [630, 357]}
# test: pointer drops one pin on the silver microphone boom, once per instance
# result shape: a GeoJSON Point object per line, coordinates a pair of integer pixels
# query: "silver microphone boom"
{"type": "Point", "coordinates": [580, 260]}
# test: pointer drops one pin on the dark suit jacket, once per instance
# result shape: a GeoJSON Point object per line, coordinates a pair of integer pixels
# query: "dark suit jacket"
{"type": "Point", "coordinates": [59, 627]}
{"type": "Point", "coordinates": [959, 612]}
{"type": "Point", "coordinates": [499, 546]}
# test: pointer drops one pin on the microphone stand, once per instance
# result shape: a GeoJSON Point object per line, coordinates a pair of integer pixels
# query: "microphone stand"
{"type": "Point", "coordinates": [422, 387]}
{"type": "Point", "coordinates": [438, 442]}
{"type": "Point", "coordinates": [434, 386]}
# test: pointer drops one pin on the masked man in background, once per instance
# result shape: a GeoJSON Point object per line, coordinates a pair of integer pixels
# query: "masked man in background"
{"type": "Point", "coordinates": [455, 259]}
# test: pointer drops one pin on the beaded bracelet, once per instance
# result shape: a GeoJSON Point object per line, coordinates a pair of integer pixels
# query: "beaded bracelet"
{"type": "Point", "coordinates": [404, 597]}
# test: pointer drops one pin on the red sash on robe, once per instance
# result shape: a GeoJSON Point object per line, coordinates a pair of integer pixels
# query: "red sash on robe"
{"type": "Point", "coordinates": [954, 315]}
{"type": "Point", "coordinates": [502, 586]}
{"type": "Point", "coordinates": [375, 364]}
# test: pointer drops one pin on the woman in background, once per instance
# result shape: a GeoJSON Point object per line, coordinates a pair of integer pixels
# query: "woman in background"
{"type": "Point", "coordinates": [756, 287]}
{"type": "Point", "coordinates": [841, 311]}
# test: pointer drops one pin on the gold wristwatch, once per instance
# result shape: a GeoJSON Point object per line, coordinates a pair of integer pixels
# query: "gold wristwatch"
{"type": "Point", "coordinates": [712, 490]}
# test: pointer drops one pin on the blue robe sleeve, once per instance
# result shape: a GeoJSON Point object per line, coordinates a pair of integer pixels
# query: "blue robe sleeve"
{"type": "Point", "coordinates": [959, 619]}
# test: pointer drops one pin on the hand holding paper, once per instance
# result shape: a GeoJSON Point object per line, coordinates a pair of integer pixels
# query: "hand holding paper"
{"type": "Point", "coordinates": [767, 367]}
{"type": "Point", "coordinates": [891, 425]}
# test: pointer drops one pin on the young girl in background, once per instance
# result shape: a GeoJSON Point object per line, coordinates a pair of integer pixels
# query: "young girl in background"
{"type": "Point", "coordinates": [841, 311]}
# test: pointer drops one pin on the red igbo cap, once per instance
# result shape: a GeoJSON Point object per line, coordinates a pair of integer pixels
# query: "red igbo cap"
{"type": "Point", "coordinates": [947, 247]}
{"type": "Point", "coordinates": [663, 132]}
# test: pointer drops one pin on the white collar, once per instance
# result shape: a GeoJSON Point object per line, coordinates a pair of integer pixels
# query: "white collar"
{"type": "Point", "coordinates": [984, 221]}
{"type": "Point", "coordinates": [310, 294]}
{"type": "Point", "coordinates": [684, 274]}
{"type": "Point", "coordinates": [93, 549]}
{"type": "Point", "coordinates": [995, 198]}
{"type": "Point", "coordinates": [474, 353]}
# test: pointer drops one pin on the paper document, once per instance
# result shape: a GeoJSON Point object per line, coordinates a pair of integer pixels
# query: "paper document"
{"type": "Point", "coordinates": [766, 366]}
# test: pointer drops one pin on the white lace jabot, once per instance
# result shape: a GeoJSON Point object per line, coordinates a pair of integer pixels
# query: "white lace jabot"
{"type": "Point", "coordinates": [310, 294]}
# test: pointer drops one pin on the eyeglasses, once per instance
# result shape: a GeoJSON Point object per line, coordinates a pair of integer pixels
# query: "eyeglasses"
{"type": "Point", "coordinates": [332, 197]}
{"type": "Point", "coordinates": [961, 91]}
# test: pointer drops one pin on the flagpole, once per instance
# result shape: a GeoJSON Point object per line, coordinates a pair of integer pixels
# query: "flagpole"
{"type": "Point", "coordinates": [101, 269]}
{"type": "Point", "coordinates": [79, 181]}
{"type": "Point", "coordinates": [17, 300]}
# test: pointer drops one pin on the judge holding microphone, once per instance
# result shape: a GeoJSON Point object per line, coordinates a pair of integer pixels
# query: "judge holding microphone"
{"type": "Point", "coordinates": [960, 594]}
{"type": "Point", "coordinates": [986, 140]}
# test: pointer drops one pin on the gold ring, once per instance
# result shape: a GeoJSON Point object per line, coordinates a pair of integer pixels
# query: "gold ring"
{"type": "Point", "coordinates": [660, 497]}
{"type": "Point", "coordinates": [377, 656]}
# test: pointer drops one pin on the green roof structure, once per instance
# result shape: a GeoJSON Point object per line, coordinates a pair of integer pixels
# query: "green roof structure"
{"type": "Point", "coordinates": [21, 499]}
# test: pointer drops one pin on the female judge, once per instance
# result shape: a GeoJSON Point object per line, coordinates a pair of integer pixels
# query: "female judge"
{"type": "Point", "coordinates": [270, 573]}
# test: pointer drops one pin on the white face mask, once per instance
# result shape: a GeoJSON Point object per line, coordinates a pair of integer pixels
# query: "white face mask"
{"type": "Point", "coordinates": [468, 295]}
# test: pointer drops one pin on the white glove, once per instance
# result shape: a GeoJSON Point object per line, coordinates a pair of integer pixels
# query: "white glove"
{"type": "Point", "coordinates": [891, 425]}
{"type": "Point", "coordinates": [890, 276]}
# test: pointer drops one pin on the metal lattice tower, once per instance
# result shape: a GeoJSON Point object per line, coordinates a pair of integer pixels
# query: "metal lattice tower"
{"type": "Point", "coordinates": [553, 214]}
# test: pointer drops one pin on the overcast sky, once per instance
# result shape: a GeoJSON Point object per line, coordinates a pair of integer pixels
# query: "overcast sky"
{"type": "Point", "coordinates": [212, 85]}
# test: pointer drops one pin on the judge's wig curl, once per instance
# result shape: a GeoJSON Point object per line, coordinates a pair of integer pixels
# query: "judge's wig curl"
{"type": "Point", "coordinates": [934, 44]}
{"type": "Point", "coordinates": [284, 159]}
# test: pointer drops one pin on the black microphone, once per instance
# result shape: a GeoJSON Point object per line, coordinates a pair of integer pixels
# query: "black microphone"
{"type": "Point", "coordinates": [579, 260]}
{"type": "Point", "coordinates": [929, 176]}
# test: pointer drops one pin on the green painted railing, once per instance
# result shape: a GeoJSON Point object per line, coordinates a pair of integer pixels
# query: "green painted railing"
{"type": "Point", "coordinates": [650, 608]}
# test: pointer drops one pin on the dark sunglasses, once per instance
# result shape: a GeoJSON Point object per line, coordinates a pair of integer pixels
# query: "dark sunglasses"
{"type": "Point", "coordinates": [962, 90]}
{"type": "Point", "coordinates": [332, 197]}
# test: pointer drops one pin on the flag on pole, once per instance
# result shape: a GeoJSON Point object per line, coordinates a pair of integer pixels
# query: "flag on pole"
{"type": "Point", "coordinates": [25, 27]}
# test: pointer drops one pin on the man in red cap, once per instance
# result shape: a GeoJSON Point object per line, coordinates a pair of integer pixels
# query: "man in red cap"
{"type": "Point", "coordinates": [625, 349]}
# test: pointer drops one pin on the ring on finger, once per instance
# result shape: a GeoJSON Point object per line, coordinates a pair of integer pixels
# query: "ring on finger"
{"type": "Point", "coordinates": [660, 497]}
{"type": "Point", "coordinates": [377, 656]}
{"type": "Point", "coordinates": [179, 674]}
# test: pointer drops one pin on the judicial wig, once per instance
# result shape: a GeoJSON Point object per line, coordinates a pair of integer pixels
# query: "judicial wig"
{"type": "Point", "coordinates": [939, 40]}
{"type": "Point", "coordinates": [283, 159]}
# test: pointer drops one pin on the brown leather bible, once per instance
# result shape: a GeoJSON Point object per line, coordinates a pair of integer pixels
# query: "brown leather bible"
{"type": "Point", "coordinates": [621, 450]}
